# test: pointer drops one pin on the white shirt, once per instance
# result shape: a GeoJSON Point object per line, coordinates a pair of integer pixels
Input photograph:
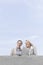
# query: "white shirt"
{"type": "Point", "coordinates": [29, 51]}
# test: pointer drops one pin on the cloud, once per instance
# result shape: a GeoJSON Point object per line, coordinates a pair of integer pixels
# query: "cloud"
{"type": "Point", "coordinates": [34, 37]}
{"type": "Point", "coordinates": [11, 1]}
{"type": "Point", "coordinates": [34, 3]}
{"type": "Point", "coordinates": [36, 7]}
{"type": "Point", "coordinates": [28, 3]}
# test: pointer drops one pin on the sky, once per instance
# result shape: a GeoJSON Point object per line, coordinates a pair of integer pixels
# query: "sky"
{"type": "Point", "coordinates": [21, 19]}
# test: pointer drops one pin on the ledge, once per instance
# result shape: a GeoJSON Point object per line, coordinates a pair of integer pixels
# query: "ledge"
{"type": "Point", "coordinates": [21, 60]}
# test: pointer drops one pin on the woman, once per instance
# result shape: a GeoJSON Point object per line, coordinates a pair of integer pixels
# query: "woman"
{"type": "Point", "coordinates": [18, 50]}
{"type": "Point", "coordinates": [29, 49]}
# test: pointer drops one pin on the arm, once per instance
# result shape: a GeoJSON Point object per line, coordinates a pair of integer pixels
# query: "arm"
{"type": "Point", "coordinates": [13, 52]}
{"type": "Point", "coordinates": [34, 51]}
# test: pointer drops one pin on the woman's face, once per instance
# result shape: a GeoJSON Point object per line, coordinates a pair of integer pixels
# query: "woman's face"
{"type": "Point", "coordinates": [28, 44]}
{"type": "Point", "coordinates": [19, 44]}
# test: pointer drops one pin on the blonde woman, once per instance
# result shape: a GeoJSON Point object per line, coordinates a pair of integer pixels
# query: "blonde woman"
{"type": "Point", "coordinates": [29, 49]}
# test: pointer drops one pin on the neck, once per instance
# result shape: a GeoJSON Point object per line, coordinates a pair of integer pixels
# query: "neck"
{"type": "Point", "coordinates": [18, 48]}
{"type": "Point", "coordinates": [28, 47]}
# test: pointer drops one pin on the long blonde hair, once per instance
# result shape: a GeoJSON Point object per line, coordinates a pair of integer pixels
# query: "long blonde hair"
{"type": "Point", "coordinates": [29, 42]}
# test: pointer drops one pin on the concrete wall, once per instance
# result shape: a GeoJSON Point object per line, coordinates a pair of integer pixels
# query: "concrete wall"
{"type": "Point", "coordinates": [21, 60]}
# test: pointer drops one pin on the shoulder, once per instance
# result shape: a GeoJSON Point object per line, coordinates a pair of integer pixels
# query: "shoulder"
{"type": "Point", "coordinates": [33, 47]}
{"type": "Point", "coordinates": [14, 50]}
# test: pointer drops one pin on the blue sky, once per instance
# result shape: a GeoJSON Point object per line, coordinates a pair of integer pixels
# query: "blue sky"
{"type": "Point", "coordinates": [21, 19]}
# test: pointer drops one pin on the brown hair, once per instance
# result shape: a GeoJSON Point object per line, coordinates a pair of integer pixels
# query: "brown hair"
{"type": "Point", "coordinates": [20, 41]}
